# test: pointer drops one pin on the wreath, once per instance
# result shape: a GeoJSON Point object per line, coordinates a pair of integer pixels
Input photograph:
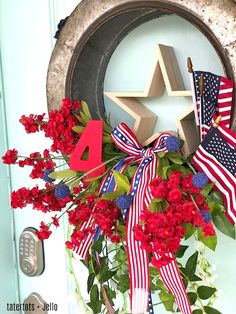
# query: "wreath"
{"type": "Point", "coordinates": [131, 208]}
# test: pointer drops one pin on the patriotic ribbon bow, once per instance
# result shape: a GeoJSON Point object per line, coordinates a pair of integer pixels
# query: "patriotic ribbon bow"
{"type": "Point", "coordinates": [138, 261]}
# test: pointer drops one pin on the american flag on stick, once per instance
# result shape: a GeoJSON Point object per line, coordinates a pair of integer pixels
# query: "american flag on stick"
{"type": "Point", "coordinates": [216, 157]}
{"type": "Point", "coordinates": [215, 98]}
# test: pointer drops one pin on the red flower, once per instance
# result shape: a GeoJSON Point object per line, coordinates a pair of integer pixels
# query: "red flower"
{"type": "Point", "coordinates": [187, 182]}
{"type": "Point", "coordinates": [200, 199]}
{"type": "Point", "coordinates": [115, 238]}
{"type": "Point", "coordinates": [69, 245]}
{"type": "Point", "coordinates": [175, 196]}
{"type": "Point", "coordinates": [159, 191]}
{"type": "Point", "coordinates": [208, 230]}
{"type": "Point", "coordinates": [44, 232]}
{"type": "Point", "coordinates": [55, 221]}
{"type": "Point", "coordinates": [10, 157]}
{"type": "Point", "coordinates": [174, 244]}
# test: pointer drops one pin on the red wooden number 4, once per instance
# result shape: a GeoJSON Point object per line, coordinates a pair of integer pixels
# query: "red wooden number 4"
{"type": "Point", "coordinates": [91, 138]}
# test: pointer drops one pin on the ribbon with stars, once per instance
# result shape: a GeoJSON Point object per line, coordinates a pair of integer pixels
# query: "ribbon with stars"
{"type": "Point", "coordinates": [138, 261]}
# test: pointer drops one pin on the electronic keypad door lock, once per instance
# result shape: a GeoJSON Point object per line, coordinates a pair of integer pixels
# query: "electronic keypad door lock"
{"type": "Point", "coordinates": [31, 253]}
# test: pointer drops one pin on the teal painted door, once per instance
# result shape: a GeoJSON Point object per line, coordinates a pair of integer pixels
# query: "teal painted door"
{"type": "Point", "coordinates": [26, 35]}
{"type": "Point", "coordinates": [9, 292]}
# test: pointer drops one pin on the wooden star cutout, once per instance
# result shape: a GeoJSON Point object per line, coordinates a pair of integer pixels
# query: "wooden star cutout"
{"type": "Point", "coordinates": [164, 73]}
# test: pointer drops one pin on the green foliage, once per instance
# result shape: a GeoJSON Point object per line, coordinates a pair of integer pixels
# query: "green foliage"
{"type": "Point", "coordinates": [191, 265]}
{"type": "Point", "coordinates": [207, 189]}
{"type": "Point", "coordinates": [124, 283]}
{"type": "Point", "coordinates": [181, 251]}
{"type": "Point", "coordinates": [211, 310]}
{"type": "Point", "coordinates": [192, 297]}
{"type": "Point", "coordinates": [90, 281]}
{"type": "Point", "coordinates": [223, 224]}
{"type": "Point", "coordinates": [167, 299]}
{"type": "Point", "coordinates": [121, 181]}
{"type": "Point", "coordinates": [189, 230]}
{"type": "Point", "coordinates": [205, 292]}
{"type": "Point", "coordinates": [95, 304]}
{"type": "Point", "coordinates": [97, 246]}
{"type": "Point", "coordinates": [112, 195]}
{"type": "Point", "coordinates": [85, 109]}
{"type": "Point", "coordinates": [198, 311]}
{"type": "Point", "coordinates": [210, 242]}
{"type": "Point", "coordinates": [62, 174]}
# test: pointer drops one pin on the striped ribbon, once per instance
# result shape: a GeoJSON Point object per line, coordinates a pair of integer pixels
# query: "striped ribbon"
{"type": "Point", "coordinates": [138, 261]}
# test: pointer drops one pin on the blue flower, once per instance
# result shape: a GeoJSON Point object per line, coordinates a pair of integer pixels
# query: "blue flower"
{"type": "Point", "coordinates": [123, 202]}
{"type": "Point", "coordinates": [199, 180]}
{"type": "Point", "coordinates": [173, 143]}
{"type": "Point", "coordinates": [62, 191]}
{"type": "Point", "coordinates": [205, 215]}
{"type": "Point", "coordinates": [46, 178]}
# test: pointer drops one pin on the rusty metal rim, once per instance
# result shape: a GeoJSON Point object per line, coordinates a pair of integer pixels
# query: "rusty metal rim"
{"type": "Point", "coordinates": [160, 6]}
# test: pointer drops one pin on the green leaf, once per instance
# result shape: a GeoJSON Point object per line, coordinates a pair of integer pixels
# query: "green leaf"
{"type": "Point", "coordinates": [106, 139]}
{"type": "Point", "coordinates": [97, 246]}
{"type": "Point", "coordinates": [189, 230]}
{"type": "Point", "coordinates": [207, 189]}
{"type": "Point", "coordinates": [216, 208]}
{"type": "Point", "coordinates": [95, 303]}
{"type": "Point", "coordinates": [124, 283]}
{"type": "Point", "coordinates": [161, 154]}
{"type": "Point", "coordinates": [181, 251]}
{"type": "Point", "coordinates": [81, 120]}
{"type": "Point", "coordinates": [216, 197]}
{"type": "Point", "coordinates": [198, 311]}
{"type": "Point", "coordinates": [210, 242]}
{"type": "Point", "coordinates": [84, 117]}
{"type": "Point", "coordinates": [191, 265]}
{"type": "Point", "coordinates": [192, 297]}
{"type": "Point", "coordinates": [164, 172]}
{"type": "Point", "coordinates": [205, 292]}
{"type": "Point", "coordinates": [121, 181]}
{"type": "Point", "coordinates": [176, 160]}
{"type": "Point", "coordinates": [153, 271]}
{"type": "Point", "coordinates": [156, 205]}
{"type": "Point", "coordinates": [62, 174]}
{"type": "Point", "coordinates": [195, 278]}
{"type": "Point", "coordinates": [85, 109]}
{"type": "Point", "coordinates": [224, 225]}
{"type": "Point", "coordinates": [167, 299]}
{"type": "Point", "coordinates": [181, 168]}
{"type": "Point", "coordinates": [78, 129]}
{"type": "Point", "coordinates": [90, 281]}
{"type": "Point", "coordinates": [159, 283]}
{"type": "Point", "coordinates": [130, 171]}
{"type": "Point", "coordinates": [185, 281]}
{"type": "Point", "coordinates": [120, 256]}
{"type": "Point", "coordinates": [163, 162]}
{"type": "Point", "coordinates": [211, 310]}
{"type": "Point", "coordinates": [112, 195]}
{"type": "Point", "coordinates": [107, 127]}
{"type": "Point", "coordinates": [106, 274]}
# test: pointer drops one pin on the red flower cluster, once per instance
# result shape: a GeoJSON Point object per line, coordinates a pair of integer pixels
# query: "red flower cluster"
{"type": "Point", "coordinates": [161, 232]}
{"type": "Point", "coordinates": [32, 123]}
{"type": "Point", "coordinates": [41, 199]}
{"type": "Point", "coordinates": [58, 127]}
{"type": "Point", "coordinates": [44, 232]}
{"type": "Point", "coordinates": [104, 214]}
{"type": "Point", "coordinates": [10, 157]}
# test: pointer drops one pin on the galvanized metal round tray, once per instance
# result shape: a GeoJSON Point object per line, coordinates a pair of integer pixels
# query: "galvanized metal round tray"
{"type": "Point", "coordinates": [95, 28]}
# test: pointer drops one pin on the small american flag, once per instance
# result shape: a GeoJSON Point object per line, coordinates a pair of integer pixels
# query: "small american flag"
{"type": "Point", "coordinates": [217, 158]}
{"type": "Point", "coordinates": [217, 98]}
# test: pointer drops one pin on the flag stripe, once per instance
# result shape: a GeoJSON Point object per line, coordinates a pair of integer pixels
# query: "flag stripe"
{"type": "Point", "coordinates": [224, 181]}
